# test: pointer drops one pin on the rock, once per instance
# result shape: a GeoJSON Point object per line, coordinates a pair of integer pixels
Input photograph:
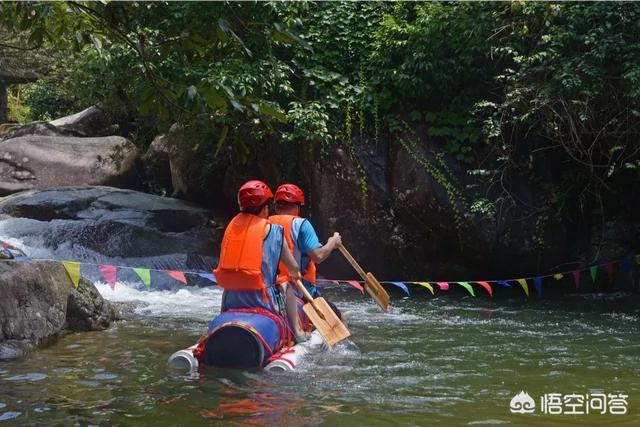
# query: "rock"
{"type": "Point", "coordinates": [5, 128]}
{"type": "Point", "coordinates": [88, 311]}
{"type": "Point", "coordinates": [110, 225]}
{"type": "Point", "coordinates": [367, 223]}
{"type": "Point", "coordinates": [157, 164]}
{"type": "Point", "coordinates": [92, 121]}
{"type": "Point", "coordinates": [189, 165]}
{"type": "Point", "coordinates": [46, 161]}
{"type": "Point", "coordinates": [400, 221]}
{"type": "Point", "coordinates": [35, 128]}
{"type": "Point", "coordinates": [38, 302]}
{"type": "Point", "coordinates": [423, 206]}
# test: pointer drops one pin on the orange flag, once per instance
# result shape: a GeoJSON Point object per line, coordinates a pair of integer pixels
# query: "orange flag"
{"type": "Point", "coordinates": [178, 275]}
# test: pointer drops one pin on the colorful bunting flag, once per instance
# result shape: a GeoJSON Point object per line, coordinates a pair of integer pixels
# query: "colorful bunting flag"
{"type": "Point", "coordinates": [537, 284]}
{"type": "Point", "coordinates": [145, 275]}
{"type": "Point", "coordinates": [593, 270]}
{"type": "Point", "coordinates": [576, 278]}
{"type": "Point", "coordinates": [487, 287]}
{"type": "Point", "coordinates": [73, 270]}
{"type": "Point", "coordinates": [525, 286]}
{"type": "Point", "coordinates": [109, 272]}
{"type": "Point", "coordinates": [178, 275]}
{"type": "Point", "coordinates": [468, 287]}
{"type": "Point", "coordinates": [426, 285]}
{"type": "Point", "coordinates": [356, 285]}
{"type": "Point", "coordinates": [444, 286]}
{"type": "Point", "coordinates": [401, 286]}
{"type": "Point", "coordinates": [208, 276]}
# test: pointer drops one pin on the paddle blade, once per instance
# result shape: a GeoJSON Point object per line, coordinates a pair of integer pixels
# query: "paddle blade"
{"type": "Point", "coordinates": [377, 292]}
{"type": "Point", "coordinates": [326, 321]}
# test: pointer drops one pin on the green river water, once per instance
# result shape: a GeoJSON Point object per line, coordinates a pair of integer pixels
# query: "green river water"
{"type": "Point", "coordinates": [451, 360]}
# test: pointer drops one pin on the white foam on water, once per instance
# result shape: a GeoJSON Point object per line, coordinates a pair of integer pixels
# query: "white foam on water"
{"type": "Point", "coordinates": [188, 302]}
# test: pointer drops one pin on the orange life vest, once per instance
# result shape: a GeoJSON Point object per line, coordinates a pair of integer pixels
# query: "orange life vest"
{"type": "Point", "coordinates": [240, 265]}
{"type": "Point", "coordinates": [309, 274]}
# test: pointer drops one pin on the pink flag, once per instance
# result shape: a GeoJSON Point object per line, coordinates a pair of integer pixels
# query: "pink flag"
{"type": "Point", "coordinates": [109, 272]}
{"type": "Point", "coordinates": [444, 286]}
{"type": "Point", "coordinates": [576, 278]}
{"type": "Point", "coordinates": [356, 285]}
{"type": "Point", "coordinates": [178, 275]}
{"type": "Point", "coordinates": [487, 287]}
{"type": "Point", "coordinates": [610, 271]}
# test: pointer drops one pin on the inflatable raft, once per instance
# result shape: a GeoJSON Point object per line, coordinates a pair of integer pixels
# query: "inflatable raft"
{"type": "Point", "coordinates": [248, 338]}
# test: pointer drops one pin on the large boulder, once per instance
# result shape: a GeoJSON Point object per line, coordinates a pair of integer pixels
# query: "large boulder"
{"type": "Point", "coordinates": [394, 218]}
{"type": "Point", "coordinates": [38, 302]}
{"type": "Point", "coordinates": [47, 161]}
{"type": "Point", "coordinates": [180, 152]}
{"type": "Point", "coordinates": [157, 164]}
{"type": "Point", "coordinates": [92, 121]}
{"type": "Point", "coordinates": [111, 225]}
{"type": "Point", "coordinates": [33, 128]}
{"type": "Point", "coordinates": [89, 122]}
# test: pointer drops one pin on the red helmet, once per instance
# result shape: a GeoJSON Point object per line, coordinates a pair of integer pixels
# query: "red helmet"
{"type": "Point", "coordinates": [289, 193]}
{"type": "Point", "coordinates": [253, 193]}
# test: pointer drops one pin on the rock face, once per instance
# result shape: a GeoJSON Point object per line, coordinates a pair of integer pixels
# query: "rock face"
{"type": "Point", "coordinates": [38, 302]}
{"type": "Point", "coordinates": [106, 224]}
{"type": "Point", "coordinates": [176, 162]}
{"type": "Point", "coordinates": [34, 128]}
{"type": "Point", "coordinates": [89, 122]}
{"type": "Point", "coordinates": [406, 209]}
{"type": "Point", "coordinates": [45, 161]}
{"type": "Point", "coordinates": [400, 221]}
{"type": "Point", "coordinates": [157, 163]}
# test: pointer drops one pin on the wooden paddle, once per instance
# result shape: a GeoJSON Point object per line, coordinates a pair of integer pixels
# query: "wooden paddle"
{"type": "Point", "coordinates": [323, 317]}
{"type": "Point", "coordinates": [371, 284]}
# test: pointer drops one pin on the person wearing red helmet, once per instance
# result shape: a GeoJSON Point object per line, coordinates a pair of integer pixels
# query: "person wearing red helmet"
{"type": "Point", "coordinates": [301, 237]}
{"type": "Point", "coordinates": [250, 253]}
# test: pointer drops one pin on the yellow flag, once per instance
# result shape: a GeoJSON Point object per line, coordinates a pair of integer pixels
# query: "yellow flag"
{"type": "Point", "coordinates": [73, 270]}
{"type": "Point", "coordinates": [426, 285]}
{"type": "Point", "coordinates": [558, 276]}
{"type": "Point", "coordinates": [525, 286]}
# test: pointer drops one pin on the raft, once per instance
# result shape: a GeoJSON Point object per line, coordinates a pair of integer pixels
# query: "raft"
{"type": "Point", "coordinates": [248, 338]}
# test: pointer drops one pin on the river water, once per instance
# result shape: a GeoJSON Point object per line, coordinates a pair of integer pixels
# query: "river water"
{"type": "Point", "coordinates": [455, 360]}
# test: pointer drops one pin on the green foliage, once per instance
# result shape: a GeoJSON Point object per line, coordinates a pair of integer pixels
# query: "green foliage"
{"type": "Point", "coordinates": [460, 133]}
{"type": "Point", "coordinates": [310, 123]}
{"type": "Point", "coordinates": [537, 91]}
{"type": "Point", "coordinates": [46, 102]}
{"type": "Point", "coordinates": [435, 55]}
{"type": "Point", "coordinates": [483, 207]}
{"type": "Point", "coordinates": [568, 99]}
{"type": "Point", "coordinates": [17, 107]}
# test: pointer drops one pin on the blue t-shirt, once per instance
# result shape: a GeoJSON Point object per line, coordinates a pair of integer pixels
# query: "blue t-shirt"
{"type": "Point", "coordinates": [307, 242]}
{"type": "Point", "coordinates": [308, 239]}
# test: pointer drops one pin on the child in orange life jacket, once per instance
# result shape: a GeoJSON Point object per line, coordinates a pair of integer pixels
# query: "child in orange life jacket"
{"type": "Point", "coordinates": [301, 238]}
{"type": "Point", "coordinates": [250, 253]}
